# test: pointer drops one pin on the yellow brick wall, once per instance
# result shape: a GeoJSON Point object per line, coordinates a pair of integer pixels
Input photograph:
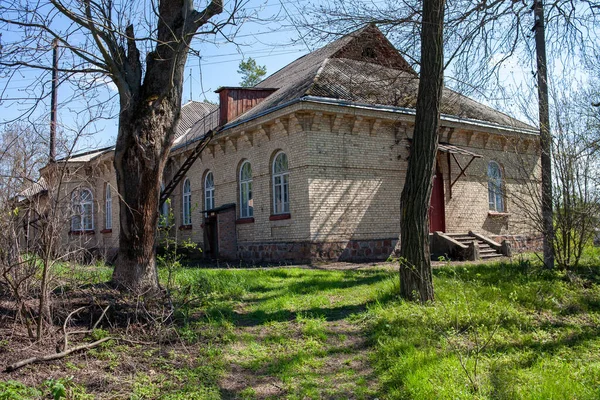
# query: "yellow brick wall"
{"type": "Point", "coordinates": [225, 159]}
{"type": "Point", "coordinates": [346, 176]}
{"type": "Point", "coordinates": [357, 175]}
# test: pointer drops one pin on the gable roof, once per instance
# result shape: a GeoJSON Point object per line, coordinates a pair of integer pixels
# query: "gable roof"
{"type": "Point", "coordinates": [33, 188]}
{"type": "Point", "coordinates": [363, 67]}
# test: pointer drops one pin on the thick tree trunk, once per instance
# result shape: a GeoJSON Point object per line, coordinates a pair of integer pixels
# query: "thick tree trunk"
{"type": "Point", "coordinates": [149, 115]}
{"type": "Point", "coordinates": [140, 157]}
{"type": "Point", "coordinates": [415, 266]}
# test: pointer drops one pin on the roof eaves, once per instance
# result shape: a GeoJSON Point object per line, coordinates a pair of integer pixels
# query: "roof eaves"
{"type": "Point", "coordinates": [72, 156]}
{"type": "Point", "coordinates": [393, 109]}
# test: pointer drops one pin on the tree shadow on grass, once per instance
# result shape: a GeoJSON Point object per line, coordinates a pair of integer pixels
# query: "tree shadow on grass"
{"type": "Point", "coordinates": [260, 317]}
{"type": "Point", "coordinates": [307, 282]}
{"type": "Point", "coordinates": [327, 373]}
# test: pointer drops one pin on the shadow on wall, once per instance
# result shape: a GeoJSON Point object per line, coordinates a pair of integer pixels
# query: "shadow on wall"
{"type": "Point", "coordinates": [355, 219]}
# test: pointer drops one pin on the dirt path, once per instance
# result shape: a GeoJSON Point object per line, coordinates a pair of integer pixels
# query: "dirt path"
{"type": "Point", "coordinates": [274, 360]}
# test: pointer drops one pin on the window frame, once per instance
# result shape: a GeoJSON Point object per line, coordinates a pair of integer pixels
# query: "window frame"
{"type": "Point", "coordinates": [186, 202]}
{"type": "Point", "coordinates": [108, 208]}
{"type": "Point", "coordinates": [283, 185]}
{"type": "Point", "coordinates": [209, 192]}
{"type": "Point", "coordinates": [496, 199]}
{"type": "Point", "coordinates": [78, 206]}
{"type": "Point", "coordinates": [163, 212]}
{"type": "Point", "coordinates": [245, 187]}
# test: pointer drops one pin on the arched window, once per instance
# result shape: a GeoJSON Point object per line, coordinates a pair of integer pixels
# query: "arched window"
{"type": "Point", "coordinates": [495, 187]}
{"type": "Point", "coordinates": [108, 208]}
{"type": "Point", "coordinates": [209, 192]}
{"type": "Point", "coordinates": [246, 204]}
{"type": "Point", "coordinates": [82, 205]}
{"type": "Point", "coordinates": [163, 217]}
{"type": "Point", "coordinates": [187, 202]}
{"type": "Point", "coordinates": [281, 198]}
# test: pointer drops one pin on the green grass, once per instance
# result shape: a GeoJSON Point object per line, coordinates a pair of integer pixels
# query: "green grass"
{"type": "Point", "coordinates": [495, 331]}
{"type": "Point", "coordinates": [501, 331]}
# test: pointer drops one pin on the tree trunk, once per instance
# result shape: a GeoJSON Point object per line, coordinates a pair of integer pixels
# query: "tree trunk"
{"type": "Point", "coordinates": [545, 136]}
{"type": "Point", "coordinates": [149, 115]}
{"type": "Point", "coordinates": [415, 266]}
{"type": "Point", "coordinates": [145, 136]}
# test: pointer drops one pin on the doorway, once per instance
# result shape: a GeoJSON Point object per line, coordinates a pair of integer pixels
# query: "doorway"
{"type": "Point", "coordinates": [211, 235]}
{"type": "Point", "coordinates": [437, 214]}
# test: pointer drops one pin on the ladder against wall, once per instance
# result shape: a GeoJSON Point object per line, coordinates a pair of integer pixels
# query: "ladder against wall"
{"type": "Point", "coordinates": [199, 136]}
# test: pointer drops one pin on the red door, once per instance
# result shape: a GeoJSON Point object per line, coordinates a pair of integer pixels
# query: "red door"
{"type": "Point", "coordinates": [437, 217]}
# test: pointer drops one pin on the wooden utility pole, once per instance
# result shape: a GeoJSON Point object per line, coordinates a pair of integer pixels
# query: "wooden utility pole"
{"type": "Point", "coordinates": [545, 136]}
{"type": "Point", "coordinates": [53, 101]}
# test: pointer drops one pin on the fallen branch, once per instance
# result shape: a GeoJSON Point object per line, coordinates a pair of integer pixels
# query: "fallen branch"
{"type": "Point", "coordinates": [55, 356]}
{"type": "Point", "coordinates": [66, 343]}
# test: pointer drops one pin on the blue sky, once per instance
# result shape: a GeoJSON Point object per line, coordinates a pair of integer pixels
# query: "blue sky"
{"type": "Point", "coordinates": [270, 42]}
{"type": "Point", "coordinates": [266, 41]}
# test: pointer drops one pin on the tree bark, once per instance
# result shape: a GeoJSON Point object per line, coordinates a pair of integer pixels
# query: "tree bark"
{"type": "Point", "coordinates": [139, 164]}
{"type": "Point", "coordinates": [415, 266]}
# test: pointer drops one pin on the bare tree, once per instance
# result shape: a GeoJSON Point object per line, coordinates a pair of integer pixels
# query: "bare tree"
{"type": "Point", "coordinates": [142, 47]}
{"type": "Point", "coordinates": [576, 158]}
{"type": "Point", "coordinates": [33, 212]}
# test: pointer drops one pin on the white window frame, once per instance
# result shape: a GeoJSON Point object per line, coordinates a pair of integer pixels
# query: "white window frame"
{"type": "Point", "coordinates": [209, 191]}
{"type": "Point", "coordinates": [280, 186]}
{"type": "Point", "coordinates": [246, 204]}
{"type": "Point", "coordinates": [186, 210]}
{"type": "Point", "coordinates": [495, 188]}
{"type": "Point", "coordinates": [108, 208]}
{"type": "Point", "coordinates": [82, 220]}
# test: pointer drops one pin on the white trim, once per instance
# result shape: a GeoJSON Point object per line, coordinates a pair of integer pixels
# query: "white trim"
{"type": "Point", "coordinates": [245, 186]}
{"type": "Point", "coordinates": [186, 209]}
{"type": "Point", "coordinates": [280, 180]}
{"type": "Point", "coordinates": [108, 208]}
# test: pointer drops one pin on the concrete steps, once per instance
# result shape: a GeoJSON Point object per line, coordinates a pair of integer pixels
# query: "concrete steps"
{"type": "Point", "coordinates": [485, 251]}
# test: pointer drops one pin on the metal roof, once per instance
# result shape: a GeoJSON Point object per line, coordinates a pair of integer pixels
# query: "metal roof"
{"type": "Point", "coordinates": [191, 113]}
{"type": "Point", "coordinates": [325, 73]}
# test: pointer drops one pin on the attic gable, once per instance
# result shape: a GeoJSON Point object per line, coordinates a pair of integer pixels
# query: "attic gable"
{"type": "Point", "coordinates": [370, 45]}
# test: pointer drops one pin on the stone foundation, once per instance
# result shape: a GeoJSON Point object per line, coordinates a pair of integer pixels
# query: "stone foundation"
{"type": "Point", "coordinates": [353, 251]}
{"type": "Point", "coordinates": [522, 243]}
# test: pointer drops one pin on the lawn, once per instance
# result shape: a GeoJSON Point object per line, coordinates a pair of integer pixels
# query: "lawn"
{"type": "Point", "coordinates": [497, 331]}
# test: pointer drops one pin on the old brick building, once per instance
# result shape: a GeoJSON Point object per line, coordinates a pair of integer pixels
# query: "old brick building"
{"type": "Point", "coordinates": [310, 164]}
